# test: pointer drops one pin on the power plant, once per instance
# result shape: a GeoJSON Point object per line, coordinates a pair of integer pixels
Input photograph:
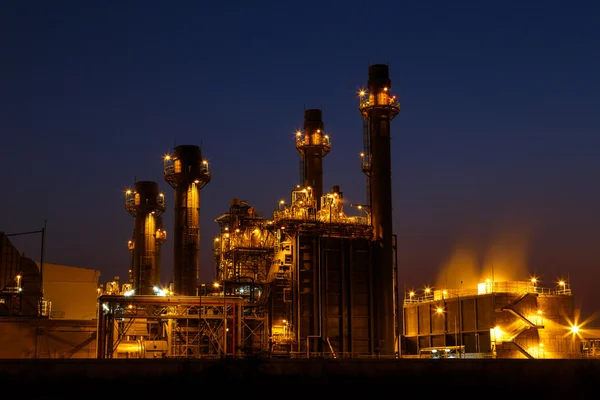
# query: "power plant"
{"type": "Point", "coordinates": [317, 278]}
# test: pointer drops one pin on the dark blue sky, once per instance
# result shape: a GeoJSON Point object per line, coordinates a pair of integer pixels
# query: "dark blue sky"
{"type": "Point", "coordinates": [494, 152]}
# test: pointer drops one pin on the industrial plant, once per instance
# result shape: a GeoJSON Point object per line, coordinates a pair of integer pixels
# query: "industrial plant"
{"type": "Point", "coordinates": [317, 278]}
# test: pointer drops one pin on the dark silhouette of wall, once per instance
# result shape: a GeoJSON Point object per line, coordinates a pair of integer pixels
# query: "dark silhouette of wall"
{"type": "Point", "coordinates": [271, 378]}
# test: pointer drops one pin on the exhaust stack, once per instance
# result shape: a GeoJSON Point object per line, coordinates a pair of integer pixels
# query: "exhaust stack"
{"type": "Point", "coordinates": [378, 107]}
{"type": "Point", "coordinates": [146, 205]}
{"type": "Point", "coordinates": [312, 144]}
{"type": "Point", "coordinates": [187, 173]}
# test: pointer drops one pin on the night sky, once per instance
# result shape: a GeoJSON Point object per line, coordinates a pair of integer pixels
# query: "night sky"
{"type": "Point", "coordinates": [494, 153]}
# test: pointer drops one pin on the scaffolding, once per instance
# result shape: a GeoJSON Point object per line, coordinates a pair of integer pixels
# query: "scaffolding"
{"type": "Point", "coordinates": [179, 327]}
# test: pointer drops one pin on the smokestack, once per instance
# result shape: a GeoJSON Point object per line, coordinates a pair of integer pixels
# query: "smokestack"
{"type": "Point", "coordinates": [378, 108]}
{"type": "Point", "coordinates": [187, 173]}
{"type": "Point", "coordinates": [313, 144]}
{"type": "Point", "coordinates": [146, 205]}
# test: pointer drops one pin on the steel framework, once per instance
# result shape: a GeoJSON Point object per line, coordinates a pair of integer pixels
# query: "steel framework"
{"type": "Point", "coordinates": [187, 326]}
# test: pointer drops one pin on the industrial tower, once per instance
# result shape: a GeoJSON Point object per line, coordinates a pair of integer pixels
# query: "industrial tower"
{"type": "Point", "coordinates": [312, 144]}
{"type": "Point", "coordinates": [187, 173]}
{"type": "Point", "coordinates": [378, 107]}
{"type": "Point", "coordinates": [146, 205]}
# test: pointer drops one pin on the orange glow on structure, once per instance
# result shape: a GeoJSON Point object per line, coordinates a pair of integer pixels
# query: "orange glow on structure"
{"type": "Point", "coordinates": [504, 258]}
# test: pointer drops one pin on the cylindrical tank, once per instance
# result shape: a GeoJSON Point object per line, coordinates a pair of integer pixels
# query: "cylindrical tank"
{"type": "Point", "coordinates": [161, 237]}
{"type": "Point", "coordinates": [129, 349]}
{"type": "Point", "coordinates": [146, 204]}
{"type": "Point", "coordinates": [187, 173]}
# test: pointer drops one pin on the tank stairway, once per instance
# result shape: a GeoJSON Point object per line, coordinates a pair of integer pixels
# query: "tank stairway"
{"type": "Point", "coordinates": [522, 317]}
{"type": "Point", "coordinates": [522, 350]}
{"type": "Point", "coordinates": [516, 301]}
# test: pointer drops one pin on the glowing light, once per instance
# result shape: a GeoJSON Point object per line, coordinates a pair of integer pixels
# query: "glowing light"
{"type": "Point", "coordinates": [128, 192]}
{"type": "Point", "coordinates": [439, 310]}
{"type": "Point", "coordinates": [427, 290]}
{"type": "Point", "coordinates": [361, 93]}
{"type": "Point", "coordinates": [574, 329]}
{"type": "Point", "coordinates": [196, 181]}
{"type": "Point", "coordinates": [411, 294]}
{"type": "Point", "coordinates": [216, 284]}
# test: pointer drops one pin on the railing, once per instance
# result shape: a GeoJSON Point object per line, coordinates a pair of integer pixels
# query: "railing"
{"type": "Point", "coordinates": [340, 355]}
{"type": "Point", "coordinates": [381, 101]}
{"type": "Point", "coordinates": [521, 288]}
{"type": "Point", "coordinates": [322, 141]}
{"type": "Point", "coordinates": [323, 216]}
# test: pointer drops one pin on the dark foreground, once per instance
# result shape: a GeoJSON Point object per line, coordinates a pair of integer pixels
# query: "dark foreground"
{"type": "Point", "coordinates": [310, 379]}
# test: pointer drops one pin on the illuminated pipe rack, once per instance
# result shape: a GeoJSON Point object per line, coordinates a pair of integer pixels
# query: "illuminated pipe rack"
{"type": "Point", "coordinates": [219, 319]}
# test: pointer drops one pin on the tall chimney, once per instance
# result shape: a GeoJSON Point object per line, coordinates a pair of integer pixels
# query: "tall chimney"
{"type": "Point", "coordinates": [378, 108]}
{"type": "Point", "coordinates": [187, 173]}
{"type": "Point", "coordinates": [146, 205]}
{"type": "Point", "coordinates": [313, 144]}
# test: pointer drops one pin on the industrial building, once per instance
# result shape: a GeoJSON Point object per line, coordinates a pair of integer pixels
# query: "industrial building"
{"type": "Point", "coordinates": [508, 319]}
{"type": "Point", "coordinates": [317, 278]}
{"type": "Point", "coordinates": [61, 323]}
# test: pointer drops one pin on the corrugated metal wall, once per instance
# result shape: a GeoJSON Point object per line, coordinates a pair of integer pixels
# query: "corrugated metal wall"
{"type": "Point", "coordinates": [9, 261]}
{"type": "Point", "coordinates": [335, 311]}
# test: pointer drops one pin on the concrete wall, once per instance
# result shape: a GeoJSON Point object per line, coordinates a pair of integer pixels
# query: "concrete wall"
{"type": "Point", "coordinates": [72, 291]}
{"type": "Point", "coordinates": [55, 338]}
